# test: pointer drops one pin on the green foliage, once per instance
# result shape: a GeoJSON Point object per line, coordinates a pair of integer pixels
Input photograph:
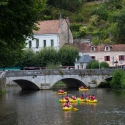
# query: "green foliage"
{"type": "Point", "coordinates": [78, 30]}
{"type": "Point", "coordinates": [118, 80]}
{"type": "Point", "coordinates": [67, 55]}
{"type": "Point", "coordinates": [104, 65]}
{"type": "Point", "coordinates": [17, 21]}
{"type": "Point", "coordinates": [53, 66]}
{"type": "Point", "coordinates": [99, 18]}
{"type": "Point", "coordinates": [70, 5]}
{"type": "Point", "coordinates": [47, 56]}
{"type": "Point", "coordinates": [88, 66]}
{"type": "Point", "coordinates": [28, 59]}
{"type": "Point", "coordinates": [95, 65]}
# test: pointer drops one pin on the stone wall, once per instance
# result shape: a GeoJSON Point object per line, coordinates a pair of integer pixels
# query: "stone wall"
{"type": "Point", "coordinates": [2, 81]}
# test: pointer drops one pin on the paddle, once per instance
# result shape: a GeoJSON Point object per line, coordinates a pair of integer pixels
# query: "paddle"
{"type": "Point", "coordinates": [75, 109]}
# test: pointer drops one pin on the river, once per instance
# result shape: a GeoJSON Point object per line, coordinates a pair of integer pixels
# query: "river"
{"type": "Point", "coordinates": [26, 107]}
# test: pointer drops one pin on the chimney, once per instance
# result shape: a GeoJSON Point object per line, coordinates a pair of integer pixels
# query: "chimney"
{"type": "Point", "coordinates": [67, 20]}
{"type": "Point", "coordinates": [60, 21]}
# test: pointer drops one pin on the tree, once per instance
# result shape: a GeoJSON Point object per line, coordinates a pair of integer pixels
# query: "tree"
{"type": "Point", "coordinates": [119, 19]}
{"type": "Point", "coordinates": [104, 65]}
{"type": "Point", "coordinates": [67, 4]}
{"type": "Point", "coordinates": [118, 79]}
{"type": "Point", "coordinates": [95, 65]}
{"type": "Point", "coordinates": [28, 59]}
{"type": "Point", "coordinates": [17, 22]}
{"type": "Point", "coordinates": [88, 66]}
{"type": "Point", "coordinates": [67, 55]}
{"type": "Point", "coordinates": [47, 56]}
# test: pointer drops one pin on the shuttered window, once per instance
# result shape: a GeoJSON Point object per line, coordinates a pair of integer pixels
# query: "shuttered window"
{"type": "Point", "coordinates": [107, 58]}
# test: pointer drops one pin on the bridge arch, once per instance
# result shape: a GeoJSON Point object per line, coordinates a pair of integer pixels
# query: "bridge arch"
{"type": "Point", "coordinates": [26, 84]}
{"type": "Point", "coordinates": [71, 82]}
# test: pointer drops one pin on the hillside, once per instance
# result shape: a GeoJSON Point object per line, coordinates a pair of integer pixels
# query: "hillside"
{"type": "Point", "coordinates": [101, 21]}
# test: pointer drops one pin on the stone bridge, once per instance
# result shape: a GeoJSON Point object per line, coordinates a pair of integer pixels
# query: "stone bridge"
{"type": "Point", "coordinates": [45, 79]}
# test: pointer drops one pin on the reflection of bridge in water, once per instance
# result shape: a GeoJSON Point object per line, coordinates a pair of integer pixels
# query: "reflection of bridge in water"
{"type": "Point", "coordinates": [45, 79]}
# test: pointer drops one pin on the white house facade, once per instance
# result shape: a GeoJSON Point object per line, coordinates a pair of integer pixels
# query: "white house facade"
{"type": "Point", "coordinates": [51, 33]}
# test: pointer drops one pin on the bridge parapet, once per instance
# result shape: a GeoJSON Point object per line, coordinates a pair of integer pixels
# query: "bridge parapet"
{"type": "Point", "coordinates": [60, 72]}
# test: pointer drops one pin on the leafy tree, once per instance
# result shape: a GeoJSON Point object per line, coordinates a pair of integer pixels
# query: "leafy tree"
{"type": "Point", "coordinates": [118, 79]}
{"type": "Point", "coordinates": [88, 66]}
{"type": "Point", "coordinates": [67, 4]}
{"type": "Point", "coordinates": [67, 55]}
{"type": "Point", "coordinates": [17, 21]}
{"type": "Point", "coordinates": [28, 59]}
{"type": "Point", "coordinates": [47, 56]}
{"type": "Point", "coordinates": [95, 65]}
{"type": "Point", "coordinates": [104, 65]}
{"type": "Point", "coordinates": [119, 19]}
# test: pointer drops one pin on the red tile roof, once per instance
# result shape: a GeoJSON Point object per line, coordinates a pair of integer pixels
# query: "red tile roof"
{"type": "Point", "coordinates": [86, 47]}
{"type": "Point", "coordinates": [48, 27]}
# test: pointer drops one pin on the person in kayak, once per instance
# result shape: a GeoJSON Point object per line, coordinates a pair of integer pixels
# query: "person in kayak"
{"type": "Point", "coordinates": [82, 87]}
{"type": "Point", "coordinates": [66, 97]}
{"type": "Point", "coordinates": [74, 97]}
{"type": "Point", "coordinates": [61, 91]}
{"type": "Point", "coordinates": [67, 104]}
{"type": "Point", "coordinates": [93, 98]}
{"type": "Point", "coordinates": [82, 96]}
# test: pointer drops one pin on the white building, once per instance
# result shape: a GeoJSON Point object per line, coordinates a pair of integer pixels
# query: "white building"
{"type": "Point", "coordinates": [51, 33]}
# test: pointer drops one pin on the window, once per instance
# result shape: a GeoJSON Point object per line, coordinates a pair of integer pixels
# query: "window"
{"type": "Point", "coordinates": [44, 43]}
{"type": "Point", "coordinates": [107, 58]}
{"type": "Point", "coordinates": [107, 48]}
{"type": "Point", "coordinates": [82, 66]}
{"type": "Point", "coordinates": [52, 42]}
{"type": "Point", "coordinates": [30, 44]}
{"type": "Point", "coordinates": [121, 57]}
{"type": "Point", "coordinates": [93, 57]}
{"type": "Point", "coordinates": [78, 66]}
{"type": "Point", "coordinates": [37, 43]}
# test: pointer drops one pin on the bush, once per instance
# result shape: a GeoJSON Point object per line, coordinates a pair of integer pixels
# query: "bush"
{"type": "Point", "coordinates": [95, 65]}
{"type": "Point", "coordinates": [89, 64]}
{"type": "Point", "coordinates": [104, 65]}
{"type": "Point", "coordinates": [118, 80]}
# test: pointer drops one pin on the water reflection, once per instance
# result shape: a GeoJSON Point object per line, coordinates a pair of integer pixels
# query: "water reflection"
{"type": "Point", "coordinates": [42, 107]}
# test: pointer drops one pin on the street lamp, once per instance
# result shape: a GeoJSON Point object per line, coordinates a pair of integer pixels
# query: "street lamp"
{"type": "Point", "coordinates": [116, 63]}
{"type": "Point", "coordinates": [99, 54]}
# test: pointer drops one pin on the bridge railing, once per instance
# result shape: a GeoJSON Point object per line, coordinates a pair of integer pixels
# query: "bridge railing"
{"type": "Point", "coordinates": [60, 72]}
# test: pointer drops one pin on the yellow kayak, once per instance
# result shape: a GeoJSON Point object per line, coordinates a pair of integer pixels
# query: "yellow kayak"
{"type": "Point", "coordinates": [62, 100]}
{"type": "Point", "coordinates": [91, 101]}
{"type": "Point", "coordinates": [81, 100]}
{"type": "Point", "coordinates": [62, 93]}
{"type": "Point", "coordinates": [73, 101]}
{"type": "Point", "coordinates": [81, 89]}
{"type": "Point", "coordinates": [67, 108]}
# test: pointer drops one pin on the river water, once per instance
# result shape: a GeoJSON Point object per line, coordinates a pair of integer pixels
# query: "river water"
{"type": "Point", "coordinates": [26, 107]}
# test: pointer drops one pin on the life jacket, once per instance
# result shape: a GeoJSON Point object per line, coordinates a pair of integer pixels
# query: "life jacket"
{"type": "Point", "coordinates": [66, 98]}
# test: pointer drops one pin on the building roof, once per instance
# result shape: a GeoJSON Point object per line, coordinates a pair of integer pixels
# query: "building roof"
{"type": "Point", "coordinates": [86, 47]}
{"type": "Point", "coordinates": [84, 59]}
{"type": "Point", "coordinates": [49, 26]}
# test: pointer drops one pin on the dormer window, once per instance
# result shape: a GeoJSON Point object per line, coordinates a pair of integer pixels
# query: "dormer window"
{"type": "Point", "coordinates": [92, 48]}
{"type": "Point", "coordinates": [107, 48]}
